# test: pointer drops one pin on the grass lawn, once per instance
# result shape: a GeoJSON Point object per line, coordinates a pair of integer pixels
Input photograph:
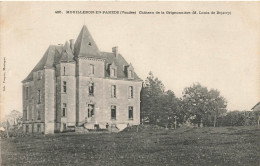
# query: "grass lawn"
{"type": "Point", "coordinates": [184, 146]}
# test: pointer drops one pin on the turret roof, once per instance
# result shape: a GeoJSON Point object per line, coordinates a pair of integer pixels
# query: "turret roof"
{"type": "Point", "coordinates": [85, 46]}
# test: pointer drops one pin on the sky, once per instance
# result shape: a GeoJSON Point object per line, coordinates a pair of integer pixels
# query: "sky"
{"type": "Point", "coordinates": [218, 51]}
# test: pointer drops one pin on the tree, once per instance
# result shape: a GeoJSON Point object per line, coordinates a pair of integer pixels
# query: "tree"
{"type": "Point", "coordinates": [152, 91]}
{"type": "Point", "coordinates": [157, 106]}
{"type": "Point", "coordinates": [217, 104]}
{"type": "Point", "coordinates": [175, 113]}
{"type": "Point", "coordinates": [15, 118]}
{"type": "Point", "coordinates": [239, 118]}
{"type": "Point", "coordinates": [170, 114]}
{"type": "Point", "coordinates": [202, 104]}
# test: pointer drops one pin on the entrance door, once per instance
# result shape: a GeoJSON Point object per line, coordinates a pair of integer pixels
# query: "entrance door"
{"type": "Point", "coordinates": [91, 112]}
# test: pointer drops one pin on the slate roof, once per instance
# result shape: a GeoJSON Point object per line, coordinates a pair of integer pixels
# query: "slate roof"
{"type": "Point", "coordinates": [50, 57]}
{"type": "Point", "coordinates": [66, 54]}
{"type": "Point", "coordinates": [57, 54]}
{"type": "Point", "coordinates": [120, 62]}
{"type": "Point", "coordinates": [85, 46]}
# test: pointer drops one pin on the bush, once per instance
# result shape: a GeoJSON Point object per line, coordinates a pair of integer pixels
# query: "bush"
{"type": "Point", "coordinates": [18, 133]}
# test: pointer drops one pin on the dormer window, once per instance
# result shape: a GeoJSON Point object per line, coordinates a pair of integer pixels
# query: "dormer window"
{"type": "Point", "coordinates": [130, 71]}
{"type": "Point", "coordinates": [113, 70]}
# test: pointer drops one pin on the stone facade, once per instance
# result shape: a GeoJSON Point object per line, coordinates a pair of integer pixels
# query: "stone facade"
{"type": "Point", "coordinates": [76, 85]}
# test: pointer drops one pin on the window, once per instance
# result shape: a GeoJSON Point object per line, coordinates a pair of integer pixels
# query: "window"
{"type": "Point", "coordinates": [64, 70]}
{"type": "Point", "coordinates": [91, 69]}
{"type": "Point", "coordinates": [64, 86]}
{"type": "Point", "coordinates": [130, 113]}
{"type": "Point", "coordinates": [130, 92]}
{"type": "Point", "coordinates": [91, 89]}
{"type": "Point", "coordinates": [27, 93]}
{"type": "Point", "coordinates": [113, 91]}
{"type": "Point", "coordinates": [38, 128]}
{"type": "Point", "coordinates": [113, 112]}
{"type": "Point", "coordinates": [25, 114]}
{"type": "Point", "coordinates": [39, 115]}
{"type": "Point", "coordinates": [90, 110]}
{"type": "Point", "coordinates": [113, 72]}
{"type": "Point", "coordinates": [39, 75]}
{"type": "Point", "coordinates": [64, 109]}
{"type": "Point", "coordinates": [27, 128]}
{"type": "Point", "coordinates": [39, 96]}
{"type": "Point", "coordinates": [130, 73]}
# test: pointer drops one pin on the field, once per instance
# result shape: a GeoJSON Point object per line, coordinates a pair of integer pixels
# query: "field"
{"type": "Point", "coordinates": [147, 146]}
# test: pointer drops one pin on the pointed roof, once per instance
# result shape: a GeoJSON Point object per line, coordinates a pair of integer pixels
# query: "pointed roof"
{"type": "Point", "coordinates": [66, 55]}
{"type": "Point", "coordinates": [51, 55]}
{"type": "Point", "coordinates": [130, 66]}
{"type": "Point", "coordinates": [85, 46]}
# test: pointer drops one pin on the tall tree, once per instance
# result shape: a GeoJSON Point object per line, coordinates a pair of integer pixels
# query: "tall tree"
{"type": "Point", "coordinates": [169, 110]}
{"type": "Point", "coordinates": [152, 91]}
{"type": "Point", "coordinates": [217, 104]}
{"type": "Point", "coordinates": [201, 104]}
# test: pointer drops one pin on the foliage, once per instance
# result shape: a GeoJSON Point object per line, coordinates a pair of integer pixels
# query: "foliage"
{"type": "Point", "coordinates": [157, 106]}
{"type": "Point", "coordinates": [238, 118]}
{"type": "Point", "coordinates": [201, 104]}
{"type": "Point", "coordinates": [151, 94]}
{"type": "Point", "coordinates": [13, 119]}
{"type": "Point", "coordinates": [198, 104]}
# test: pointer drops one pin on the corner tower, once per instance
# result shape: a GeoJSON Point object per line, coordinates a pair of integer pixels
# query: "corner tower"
{"type": "Point", "coordinates": [66, 88]}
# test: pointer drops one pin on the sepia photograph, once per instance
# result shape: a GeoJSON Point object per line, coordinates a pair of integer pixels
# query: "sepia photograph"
{"type": "Point", "coordinates": [130, 83]}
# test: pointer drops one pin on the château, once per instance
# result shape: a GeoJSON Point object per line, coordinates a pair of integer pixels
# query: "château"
{"type": "Point", "coordinates": [76, 85]}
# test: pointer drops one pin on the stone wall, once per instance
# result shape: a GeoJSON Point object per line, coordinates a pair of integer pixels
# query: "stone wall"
{"type": "Point", "coordinates": [69, 98]}
{"type": "Point", "coordinates": [39, 84]}
{"type": "Point", "coordinates": [50, 104]}
{"type": "Point", "coordinates": [122, 102]}
{"type": "Point", "coordinates": [31, 103]}
{"type": "Point", "coordinates": [102, 99]}
{"type": "Point", "coordinates": [77, 97]}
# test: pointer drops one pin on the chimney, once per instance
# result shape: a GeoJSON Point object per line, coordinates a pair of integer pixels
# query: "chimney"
{"type": "Point", "coordinates": [115, 50]}
{"type": "Point", "coordinates": [72, 45]}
